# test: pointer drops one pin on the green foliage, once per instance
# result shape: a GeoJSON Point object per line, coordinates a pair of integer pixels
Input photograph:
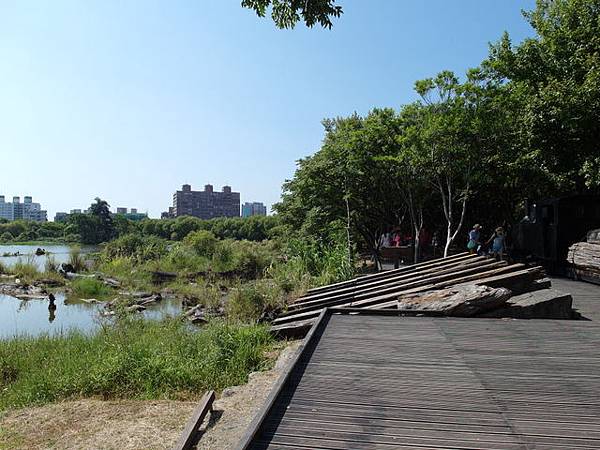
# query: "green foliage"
{"type": "Point", "coordinates": [552, 81]}
{"type": "Point", "coordinates": [346, 182]}
{"type": "Point", "coordinates": [6, 236]}
{"type": "Point", "coordinates": [95, 227]}
{"type": "Point", "coordinates": [137, 247]}
{"type": "Point", "coordinates": [25, 269]}
{"type": "Point", "coordinates": [77, 260]}
{"type": "Point", "coordinates": [250, 302]}
{"type": "Point", "coordinates": [202, 241]}
{"type": "Point", "coordinates": [50, 266]}
{"type": "Point", "coordinates": [3, 268]}
{"type": "Point", "coordinates": [90, 288]}
{"type": "Point", "coordinates": [287, 13]}
{"type": "Point", "coordinates": [133, 359]}
{"type": "Point", "coordinates": [256, 228]}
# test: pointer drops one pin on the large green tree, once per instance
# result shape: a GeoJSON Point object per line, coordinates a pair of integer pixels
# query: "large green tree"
{"type": "Point", "coordinates": [554, 81]}
{"type": "Point", "coordinates": [345, 182]}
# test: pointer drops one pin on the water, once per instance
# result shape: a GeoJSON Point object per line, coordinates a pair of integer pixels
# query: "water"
{"type": "Point", "coordinates": [32, 317]}
{"type": "Point", "coordinates": [60, 253]}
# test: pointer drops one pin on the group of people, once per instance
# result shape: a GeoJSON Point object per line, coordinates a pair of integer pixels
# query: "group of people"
{"type": "Point", "coordinates": [495, 245]}
{"type": "Point", "coordinates": [395, 238]}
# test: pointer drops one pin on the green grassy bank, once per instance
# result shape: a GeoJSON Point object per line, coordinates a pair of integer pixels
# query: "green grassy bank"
{"type": "Point", "coordinates": [132, 359]}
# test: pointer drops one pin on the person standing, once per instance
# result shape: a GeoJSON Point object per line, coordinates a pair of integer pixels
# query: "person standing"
{"type": "Point", "coordinates": [498, 241]}
{"type": "Point", "coordinates": [474, 238]}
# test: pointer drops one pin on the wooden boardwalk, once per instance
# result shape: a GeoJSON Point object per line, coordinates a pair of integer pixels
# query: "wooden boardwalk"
{"type": "Point", "coordinates": [372, 381]}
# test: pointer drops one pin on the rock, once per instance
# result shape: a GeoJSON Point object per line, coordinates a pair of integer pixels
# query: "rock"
{"type": "Point", "coordinates": [111, 282]}
{"type": "Point", "coordinates": [542, 304]}
{"type": "Point", "coordinates": [90, 300]}
{"type": "Point", "coordinates": [228, 392]}
{"type": "Point", "coordinates": [40, 252]}
{"type": "Point", "coordinates": [49, 282]}
{"type": "Point", "coordinates": [148, 301]}
{"type": "Point", "coordinates": [66, 268]}
{"type": "Point", "coordinates": [135, 308]}
{"type": "Point", "coordinates": [464, 300]}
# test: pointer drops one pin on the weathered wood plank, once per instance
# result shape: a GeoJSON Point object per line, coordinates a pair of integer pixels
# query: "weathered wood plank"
{"type": "Point", "coordinates": [189, 437]}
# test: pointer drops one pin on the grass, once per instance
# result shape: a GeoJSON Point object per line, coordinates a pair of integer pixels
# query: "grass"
{"type": "Point", "coordinates": [132, 359]}
{"type": "Point", "coordinates": [77, 260]}
{"type": "Point", "coordinates": [51, 266]}
{"type": "Point", "coordinates": [90, 288]}
{"type": "Point", "coordinates": [25, 269]}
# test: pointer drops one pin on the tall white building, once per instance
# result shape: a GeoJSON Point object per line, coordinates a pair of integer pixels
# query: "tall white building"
{"type": "Point", "coordinates": [28, 210]}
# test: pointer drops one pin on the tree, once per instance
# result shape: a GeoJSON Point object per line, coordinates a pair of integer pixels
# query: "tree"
{"type": "Point", "coordinates": [346, 182]}
{"type": "Point", "coordinates": [286, 13]}
{"type": "Point", "coordinates": [554, 78]}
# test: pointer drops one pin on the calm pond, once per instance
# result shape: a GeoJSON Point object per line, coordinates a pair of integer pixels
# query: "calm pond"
{"type": "Point", "coordinates": [26, 253]}
{"type": "Point", "coordinates": [32, 317]}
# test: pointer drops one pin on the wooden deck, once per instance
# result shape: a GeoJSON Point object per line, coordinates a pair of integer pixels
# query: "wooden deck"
{"type": "Point", "coordinates": [372, 381]}
{"type": "Point", "coordinates": [586, 296]}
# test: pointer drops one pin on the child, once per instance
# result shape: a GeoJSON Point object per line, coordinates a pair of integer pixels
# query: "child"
{"type": "Point", "coordinates": [474, 236]}
{"type": "Point", "coordinates": [498, 240]}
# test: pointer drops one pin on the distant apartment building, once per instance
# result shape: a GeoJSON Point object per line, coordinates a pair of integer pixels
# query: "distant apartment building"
{"type": "Point", "coordinates": [253, 209]}
{"type": "Point", "coordinates": [132, 214]}
{"type": "Point", "coordinates": [28, 210]}
{"type": "Point", "coordinates": [206, 204]}
{"type": "Point", "coordinates": [76, 211]}
{"type": "Point", "coordinates": [61, 217]}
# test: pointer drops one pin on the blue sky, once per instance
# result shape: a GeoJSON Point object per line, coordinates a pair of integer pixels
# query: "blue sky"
{"type": "Point", "coordinates": [127, 100]}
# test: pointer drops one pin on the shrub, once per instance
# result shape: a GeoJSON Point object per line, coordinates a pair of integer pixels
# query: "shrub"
{"type": "Point", "coordinates": [50, 266]}
{"type": "Point", "coordinates": [90, 288]}
{"type": "Point", "coordinates": [6, 237]}
{"type": "Point", "coordinates": [25, 269]}
{"type": "Point", "coordinates": [77, 260]}
{"type": "Point", "coordinates": [202, 241]}
{"type": "Point", "coordinates": [250, 302]}
{"type": "Point", "coordinates": [3, 268]}
{"type": "Point", "coordinates": [134, 359]}
{"type": "Point", "coordinates": [138, 247]}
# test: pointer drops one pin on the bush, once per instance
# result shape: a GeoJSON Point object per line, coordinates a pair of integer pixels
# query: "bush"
{"type": "Point", "coordinates": [50, 266]}
{"type": "Point", "coordinates": [137, 247]}
{"type": "Point", "coordinates": [134, 359]}
{"type": "Point", "coordinates": [90, 288]}
{"type": "Point", "coordinates": [6, 237]}
{"type": "Point", "coordinates": [77, 260]}
{"type": "Point", "coordinates": [202, 241]}
{"type": "Point", "coordinates": [25, 269]}
{"type": "Point", "coordinates": [250, 302]}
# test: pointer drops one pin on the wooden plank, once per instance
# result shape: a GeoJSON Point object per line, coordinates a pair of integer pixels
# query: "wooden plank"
{"type": "Point", "coordinates": [302, 351]}
{"type": "Point", "coordinates": [415, 287]}
{"type": "Point", "coordinates": [390, 282]}
{"type": "Point", "coordinates": [189, 437]}
{"type": "Point", "coordinates": [376, 381]}
{"type": "Point", "coordinates": [388, 273]}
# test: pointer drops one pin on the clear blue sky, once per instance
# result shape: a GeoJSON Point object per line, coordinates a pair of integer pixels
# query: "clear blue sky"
{"type": "Point", "coordinates": [127, 100]}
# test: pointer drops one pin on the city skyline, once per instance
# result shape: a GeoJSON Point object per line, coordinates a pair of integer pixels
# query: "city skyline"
{"type": "Point", "coordinates": [126, 113]}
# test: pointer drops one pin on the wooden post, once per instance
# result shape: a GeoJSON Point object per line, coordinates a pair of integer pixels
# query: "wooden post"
{"type": "Point", "coordinates": [189, 437]}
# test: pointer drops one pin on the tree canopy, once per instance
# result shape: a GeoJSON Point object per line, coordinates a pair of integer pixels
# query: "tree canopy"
{"type": "Point", "coordinates": [524, 124]}
{"type": "Point", "coordinates": [287, 13]}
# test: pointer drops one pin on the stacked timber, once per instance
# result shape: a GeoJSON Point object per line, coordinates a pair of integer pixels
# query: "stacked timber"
{"type": "Point", "coordinates": [584, 258]}
{"type": "Point", "coordinates": [461, 285]}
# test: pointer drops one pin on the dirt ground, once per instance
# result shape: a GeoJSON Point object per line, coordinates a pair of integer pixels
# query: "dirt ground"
{"type": "Point", "coordinates": [137, 425]}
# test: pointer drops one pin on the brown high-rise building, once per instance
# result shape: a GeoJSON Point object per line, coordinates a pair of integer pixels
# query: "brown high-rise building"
{"type": "Point", "coordinates": [206, 204]}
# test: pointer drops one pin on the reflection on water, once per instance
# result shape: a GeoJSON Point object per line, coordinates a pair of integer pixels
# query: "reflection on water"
{"type": "Point", "coordinates": [34, 317]}
{"type": "Point", "coordinates": [26, 253]}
